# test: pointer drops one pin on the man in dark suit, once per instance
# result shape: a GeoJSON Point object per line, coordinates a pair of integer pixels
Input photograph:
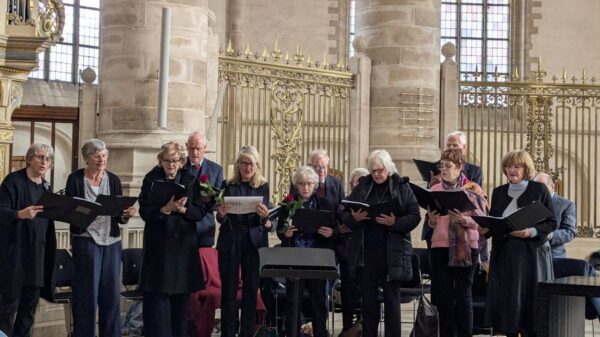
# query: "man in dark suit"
{"type": "Point", "coordinates": [565, 213]}
{"type": "Point", "coordinates": [198, 165]}
{"type": "Point", "coordinates": [330, 187]}
{"type": "Point", "coordinates": [454, 140]}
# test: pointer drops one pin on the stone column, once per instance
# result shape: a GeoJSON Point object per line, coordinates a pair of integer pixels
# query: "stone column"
{"type": "Point", "coordinates": [129, 59]}
{"type": "Point", "coordinates": [12, 95]}
{"type": "Point", "coordinates": [403, 42]}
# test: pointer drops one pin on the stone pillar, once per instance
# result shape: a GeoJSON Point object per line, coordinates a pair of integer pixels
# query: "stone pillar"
{"type": "Point", "coordinates": [449, 115]}
{"type": "Point", "coordinates": [88, 112]}
{"type": "Point", "coordinates": [360, 65]}
{"type": "Point", "coordinates": [236, 17]}
{"type": "Point", "coordinates": [129, 59]}
{"type": "Point", "coordinates": [403, 42]}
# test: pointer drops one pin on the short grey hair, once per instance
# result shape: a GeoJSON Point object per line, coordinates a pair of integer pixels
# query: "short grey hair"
{"type": "Point", "coordinates": [358, 172]}
{"type": "Point", "coordinates": [93, 146]}
{"type": "Point", "coordinates": [384, 158]}
{"type": "Point", "coordinates": [197, 133]}
{"type": "Point", "coordinates": [318, 153]}
{"type": "Point", "coordinates": [544, 177]}
{"type": "Point", "coordinates": [34, 148]}
{"type": "Point", "coordinates": [462, 138]}
{"type": "Point", "coordinates": [306, 173]}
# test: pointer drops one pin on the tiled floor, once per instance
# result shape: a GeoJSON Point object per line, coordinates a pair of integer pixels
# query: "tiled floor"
{"type": "Point", "coordinates": [407, 318]}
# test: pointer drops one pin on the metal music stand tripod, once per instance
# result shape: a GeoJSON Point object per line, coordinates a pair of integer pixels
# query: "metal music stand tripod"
{"type": "Point", "coordinates": [295, 264]}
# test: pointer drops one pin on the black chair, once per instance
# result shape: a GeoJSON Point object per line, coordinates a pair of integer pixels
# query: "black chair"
{"type": "Point", "coordinates": [413, 289]}
{"type": "Point", "coordinates": [479, 291]}
{"type": "Point", "coordinates": [60, 292]}
{"type": "Point", "coordinates": [132, 265]}
{"type": "Point", "coordinates": [424, 263]}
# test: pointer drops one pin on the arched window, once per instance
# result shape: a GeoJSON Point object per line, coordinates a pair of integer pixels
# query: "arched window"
{"type": "Point", "coordinates": [80, 47]}
{"type": "Point", "coordinates": [480, 30]}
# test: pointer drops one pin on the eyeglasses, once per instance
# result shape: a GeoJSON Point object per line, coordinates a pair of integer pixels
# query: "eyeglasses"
{"type": "Point", "coordinates": [446, 166]}
{"type": "Point", "coordinates": [171, 161]}
{"type": "Point", "coordinates": [377, 171]}
{"type": "Point", "coordinates": [43, 158]}
{"type": "Point", "coordinates": [305, 183]}
{"type": "Point", "coordinates": [318, 168]}
{"type": "Point", "coordinates": [246, 163]}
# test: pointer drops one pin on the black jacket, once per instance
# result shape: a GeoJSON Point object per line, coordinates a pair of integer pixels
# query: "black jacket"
{"type": "Point", "coordinates": [171, 262]}
{"type": "Point", "coordinates": [76, 188]}
{"type": "Point", "coordinates": [241, 223]}
{"type": "Point", "coordinates": [320, 240]}
{"type": "Point", "coordinates": [27, 248]}
{"type": "Point", "coordinates": [205, 228]}
{"type": "Point", "coordinates": [399, 246]}
{"type": "Point", "coordinates": [534, 192]}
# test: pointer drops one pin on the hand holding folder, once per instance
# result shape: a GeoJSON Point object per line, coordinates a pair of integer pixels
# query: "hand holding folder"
{"type": "Point", "coordinates": [522, 218]}
{"type": "Point", "coordinates": [162, 191]}
{"type": "Point", "coordinates": [427, 169]}
{"type": "Point", "coordinates": [442, 201]}
{"type": "Point", "coordinates": [75, 211]}
{"type": "Point", "coordinates": [374, 210]}
{"type": "Point", "coordinates": [310, 220]}
{"type": "Point", "coordinates": [114, 205]}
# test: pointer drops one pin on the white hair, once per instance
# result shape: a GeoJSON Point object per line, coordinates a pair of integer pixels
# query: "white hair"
{"type": "Point", "coordinates": [93, 146]}
{"type": "Point", "coordinates": [318, 153]}
{"type": "Point", "coordinates": [34, 148]}
{"type": "Point", "coordinates": [358, 172]}
{"type": "Point", "coordinates": [198, 134]}
{"type": "Point", "coordinates": [462, 138]}
{"type": "Point", "coordinates": [383, 157]}
{"type": "Point", "coordinates": [305, 173]}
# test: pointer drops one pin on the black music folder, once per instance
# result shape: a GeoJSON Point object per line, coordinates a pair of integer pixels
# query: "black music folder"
{"type": "Point", "coordinates": [310, 220]}
{"type": "Point", "coordinates": [75, 211]}
{"type": "Point", "coordinates": [426, 168]}
{"type": "Point", "coordinates": [522, 218]}
{"type": "Point", "coordinates": [114, 205]}
{"type": "Point", "coordinates": [162, 191]}
{"type": "Point", "coordinates": [375, 210]}
{"type": "Point", "coordinates": [442, 201]}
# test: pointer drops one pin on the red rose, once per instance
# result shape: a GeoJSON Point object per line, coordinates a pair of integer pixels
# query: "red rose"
{"type": "Point", "coordinates": [204, 179]}
{"type": "Point", "coordinates": [289, 198]}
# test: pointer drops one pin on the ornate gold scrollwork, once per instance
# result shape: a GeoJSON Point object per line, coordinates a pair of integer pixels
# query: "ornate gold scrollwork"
{"type": "Point", "coordinates": [286, 122]}
{"type": "Point", "coordinates": [51, 19]}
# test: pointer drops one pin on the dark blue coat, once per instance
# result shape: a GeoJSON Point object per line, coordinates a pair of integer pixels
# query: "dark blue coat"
{"type": "Point", "coordinates": [239, 224]}
{"type": "Point", "coordinates": [205, 228]}
{"type": "Point", "coordinates": [565, 213]}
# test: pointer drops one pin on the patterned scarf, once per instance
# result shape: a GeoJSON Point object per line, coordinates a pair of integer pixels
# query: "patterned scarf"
{"type": "Point", "coordinates": [458, 236]}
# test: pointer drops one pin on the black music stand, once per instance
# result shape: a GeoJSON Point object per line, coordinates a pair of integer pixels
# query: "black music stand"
{"type": "Point", "coordinates": [295, 264]}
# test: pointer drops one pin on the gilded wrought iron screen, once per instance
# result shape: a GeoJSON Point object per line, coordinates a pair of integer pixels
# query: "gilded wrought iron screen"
{"type": "Point", "coordinates": [556, 122]}
{"type": "Point", "coordinates": [285, 107]}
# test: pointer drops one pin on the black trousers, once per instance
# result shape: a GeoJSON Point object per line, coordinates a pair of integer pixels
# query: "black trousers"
{"type": "Point", "coordinates": [240, 252]}
{"type": "Point", "coordinates": [451, 293]}
{"type": "Point", "coordinates": [372, 276]}
{"type": "Point", "coordinates": [17, 311]}
{"type": "Point", "coordinates": [165, 315]}
{"type": "Point", "coordinates": [349, 293]}
{"type": "Point", "coordinates": [318, 304]}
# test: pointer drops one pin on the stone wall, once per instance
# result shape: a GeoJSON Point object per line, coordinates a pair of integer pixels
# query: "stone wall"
{"type": "Point", "coordinates": [318, 26]}
{"type": "Point", "coordinates": [565, 35]}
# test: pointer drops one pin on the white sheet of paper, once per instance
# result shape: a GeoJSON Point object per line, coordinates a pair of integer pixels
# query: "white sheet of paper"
{"type": "Point", "coordinates": [243, 205]}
